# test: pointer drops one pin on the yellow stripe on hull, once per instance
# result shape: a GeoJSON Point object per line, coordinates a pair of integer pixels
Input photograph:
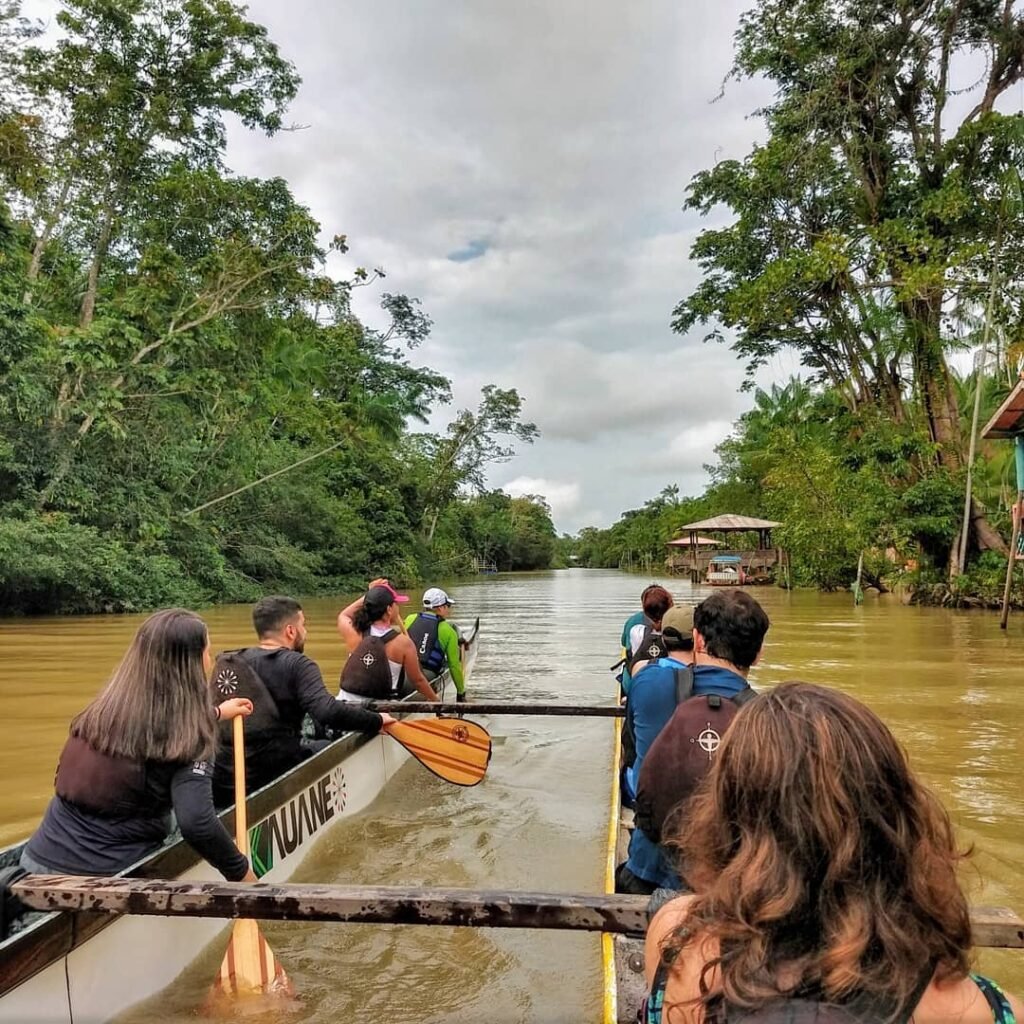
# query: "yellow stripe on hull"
{"type": "Point", "coordinates": [610, 986]}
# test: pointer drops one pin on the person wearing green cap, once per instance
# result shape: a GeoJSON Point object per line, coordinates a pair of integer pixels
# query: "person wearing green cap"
{"type": "Point", "coordinates": [436, 640]}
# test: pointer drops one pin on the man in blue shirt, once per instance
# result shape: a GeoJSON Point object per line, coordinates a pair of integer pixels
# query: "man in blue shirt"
{"type": "Point", "coordinates": [728, 630]}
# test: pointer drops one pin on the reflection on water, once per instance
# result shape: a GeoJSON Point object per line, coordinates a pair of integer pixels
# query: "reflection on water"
{"type": "Point", "coordinates": [944, 681]}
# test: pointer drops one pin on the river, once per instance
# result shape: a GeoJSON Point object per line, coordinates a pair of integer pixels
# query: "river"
{"type": "Point", "coordinates": [946, 683]}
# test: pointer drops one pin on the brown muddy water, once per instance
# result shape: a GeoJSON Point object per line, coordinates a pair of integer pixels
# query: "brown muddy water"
{"type": "Point", "coordinates": [946, 682]}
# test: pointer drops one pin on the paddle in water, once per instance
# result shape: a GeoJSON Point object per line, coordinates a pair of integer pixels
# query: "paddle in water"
{"type": "Point", "coordinates": [249, 968]}
{"type": "Point", "coordinates": [454, 749]}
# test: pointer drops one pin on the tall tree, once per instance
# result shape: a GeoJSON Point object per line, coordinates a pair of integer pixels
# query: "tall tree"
{"type": "Point", "coordinates": [474, 441]}
{"type": "Point", "coordinates": [863, 215]}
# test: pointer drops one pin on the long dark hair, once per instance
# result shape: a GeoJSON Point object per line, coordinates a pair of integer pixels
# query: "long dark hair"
{"type": "Point", "coordinates": [157, 705]}
{"type": "Point", "coordinates": [819, 859]}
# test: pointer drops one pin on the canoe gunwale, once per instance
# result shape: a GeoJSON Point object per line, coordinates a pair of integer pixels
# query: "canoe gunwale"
{"type": "Point", "coordinates": [55, 935]}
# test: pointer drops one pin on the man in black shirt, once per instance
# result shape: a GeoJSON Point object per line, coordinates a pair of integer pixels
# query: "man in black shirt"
{"type": "Point", "coordinates": [297, 688]}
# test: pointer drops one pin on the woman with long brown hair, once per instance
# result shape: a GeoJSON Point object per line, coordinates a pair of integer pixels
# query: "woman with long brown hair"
{"type": "Point", "coordinates": [825, 882]}
{"type": "Point", "coordinates": [142, 748]}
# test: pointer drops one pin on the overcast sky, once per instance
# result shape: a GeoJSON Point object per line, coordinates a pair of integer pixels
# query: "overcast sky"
{"type": "Point", "coordinates": [520, 166]}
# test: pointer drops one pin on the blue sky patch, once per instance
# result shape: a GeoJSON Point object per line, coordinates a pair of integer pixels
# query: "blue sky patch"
{"type": "Point", "coordinates": [472, 251]}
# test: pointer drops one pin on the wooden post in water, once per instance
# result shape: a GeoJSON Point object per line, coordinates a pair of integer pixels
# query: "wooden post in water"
{"type": "Point", "coordinates": [1011, 561]}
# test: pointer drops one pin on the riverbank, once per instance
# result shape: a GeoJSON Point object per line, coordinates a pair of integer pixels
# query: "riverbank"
{"type": "Point", "coordinates": [981, 586]}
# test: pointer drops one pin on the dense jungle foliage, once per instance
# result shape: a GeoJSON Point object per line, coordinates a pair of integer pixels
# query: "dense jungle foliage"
{"type": "Point", "coordinates": [170, 334]}
{"type": "Point", "coordinates": [875, 231]}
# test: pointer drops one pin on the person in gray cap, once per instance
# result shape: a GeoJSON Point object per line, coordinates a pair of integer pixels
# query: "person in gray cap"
{"type": "Point", "coordinates": [437, 641]}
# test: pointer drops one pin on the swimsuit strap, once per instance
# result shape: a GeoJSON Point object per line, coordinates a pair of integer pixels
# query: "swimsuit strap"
{"type": "Point", "coordinates": [1002, 1012]}
{"type": "Point", "coordinates": [655, 1002]}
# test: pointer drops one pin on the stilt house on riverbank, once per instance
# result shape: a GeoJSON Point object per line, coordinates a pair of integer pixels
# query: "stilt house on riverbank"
{"type": "Point", "coordinates": [1008, 424]}
{"type": "Point", "coordinates": [746, 543]}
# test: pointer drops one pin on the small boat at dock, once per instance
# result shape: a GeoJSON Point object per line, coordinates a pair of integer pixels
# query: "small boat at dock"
{"type": "Point", "coordinates": [84, 968]}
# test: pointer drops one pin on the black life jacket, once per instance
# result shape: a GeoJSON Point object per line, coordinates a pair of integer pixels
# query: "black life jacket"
{"type": "Point", "coordinates": [424, 634]}
{"type": "Point", "coordinates": [234, 676]}
{"type": "Point", "coordinates": [104, 785]}
{"type": "Point", "coordinates": [651, 648]}
{"type": "Point", "coordinates": [367, 673]}
{"type": "Point", "coordinates": [682, 753]}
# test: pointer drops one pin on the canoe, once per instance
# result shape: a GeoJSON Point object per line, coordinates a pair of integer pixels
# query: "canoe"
{"type": "Point", "coordinates": [83, 968]}
{"type": "Point", "coordinates": [622, 956]}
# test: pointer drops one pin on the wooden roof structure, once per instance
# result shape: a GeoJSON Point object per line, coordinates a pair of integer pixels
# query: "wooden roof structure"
{"type": "Point", "coordinates": [708, 542]}
{"type": "Point", "coordinates": [1008, 421]}
{"type": "Point", "coordinates": [730, 524]}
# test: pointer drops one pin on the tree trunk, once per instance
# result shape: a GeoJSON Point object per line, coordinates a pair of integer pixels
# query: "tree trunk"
{"type": "Point", "coordinates": [988, 538]}
{"type": "Point", "coordinates": [44, 238]}
{"type": "Point", "coordinates": [942, 414]}
{"type": "Point", "coordinates": [102, 241]}
{"type": "Point", "coordinates": [434, 516]}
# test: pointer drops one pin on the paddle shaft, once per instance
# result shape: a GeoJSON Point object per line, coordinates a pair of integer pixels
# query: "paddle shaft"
{"type": "Point", "coordinates": [992, 926]}
{"type": "Point", "coordinates": [241, 825]}
{"type": "Point", "coordinates": [567, 710]}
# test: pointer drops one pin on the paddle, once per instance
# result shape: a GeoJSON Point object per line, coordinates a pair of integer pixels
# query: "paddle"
{"type": "Point", "coordinates": [452, 748]}
{"type": "Point", "coordinates": [249, 967]}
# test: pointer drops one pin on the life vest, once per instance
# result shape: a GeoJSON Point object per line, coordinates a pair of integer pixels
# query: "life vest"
{"type": "Point", "coordinates": [102, 784]}
{"type": "Point", "coordinates": [234, 676]}
{"type": "Point", "coordinates": [682, 753]}
{"type": "Point", "coordinates": [651, 648]}
{"type": "Point", "coordinates": [424, 634]}
{"type": "Point", "coordinates": [367, 672]}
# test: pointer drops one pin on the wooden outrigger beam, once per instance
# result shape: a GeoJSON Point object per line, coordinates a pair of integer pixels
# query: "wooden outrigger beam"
{"type": "Point", "coordinates": [432, 708]}
{"type": "Point", "coordinates": [627, 915]}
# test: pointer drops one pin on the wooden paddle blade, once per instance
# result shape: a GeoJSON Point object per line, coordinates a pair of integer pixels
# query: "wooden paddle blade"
{"type": "Point", "coordinates": [249, 969]}
{"type": "Point", "coordinates": [454, 749]}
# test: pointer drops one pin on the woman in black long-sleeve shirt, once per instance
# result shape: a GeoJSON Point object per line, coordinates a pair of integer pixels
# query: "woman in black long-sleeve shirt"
{"type": "Point", "coordinates": [142, 748]}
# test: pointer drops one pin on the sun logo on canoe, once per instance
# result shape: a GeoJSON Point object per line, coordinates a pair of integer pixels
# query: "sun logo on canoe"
{"type": "Point", "coordinates": [368, 659]}
{"type": "Point", "coordinates": [337, 791]}
{"type": "Point", "coordinates": [226, 682]}
{"type": "Point", "coordinates": [460, 734]}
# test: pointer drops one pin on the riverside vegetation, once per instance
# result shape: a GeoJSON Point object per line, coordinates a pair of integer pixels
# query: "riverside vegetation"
{"type": "Point", "coordinates": [170, 333]}
{"type": "Point", "coordinates": [877, 229]}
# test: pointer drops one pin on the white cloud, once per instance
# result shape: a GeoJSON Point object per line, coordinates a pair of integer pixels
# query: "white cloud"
{"type": "Point", "coordinates": [562, 134]}
{"type": "Point", "coordinates": [563, 496]}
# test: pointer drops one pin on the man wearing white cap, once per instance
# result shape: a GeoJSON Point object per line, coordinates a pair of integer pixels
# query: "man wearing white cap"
{"type": "Point", "coordinates": [436, 641]}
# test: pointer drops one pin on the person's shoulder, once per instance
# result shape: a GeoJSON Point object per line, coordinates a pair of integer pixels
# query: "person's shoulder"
{"type": "Point", "coordinates": [669, 919]}
{"type": "Point", "coordinates": [294, 662]}
{"type": "Point", "coordinates": [959, 999]}
{"type": "Point", "coordinates": [658, 673]}
{"type": "Point", "coordinates": [671, 916]}
{"type": "Point", "coordinates": [713, 677]}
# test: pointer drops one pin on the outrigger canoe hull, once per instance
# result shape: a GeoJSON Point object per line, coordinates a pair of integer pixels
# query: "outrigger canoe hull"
{"type": "Point", "coordinates": [83, 968]}
{"type": "Point", "coordinates": [622, 956]}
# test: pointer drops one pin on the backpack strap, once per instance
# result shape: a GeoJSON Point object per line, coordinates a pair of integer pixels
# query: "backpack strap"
{"type": "Point", "coordinates": [387, 637]}
{"type": "Point", "coordinates": [684, 683]}
{"type": "Point", "coordinates": [741, 698]}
